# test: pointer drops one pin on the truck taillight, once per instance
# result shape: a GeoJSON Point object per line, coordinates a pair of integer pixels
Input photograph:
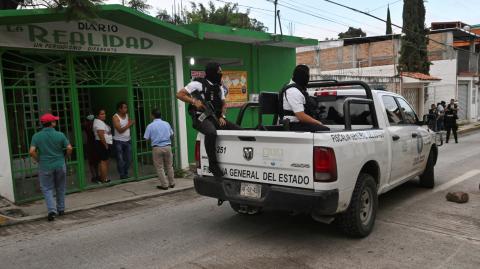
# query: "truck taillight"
{"type": "Point", "coordinates": [324, 165]}
{"type": "Point", "coordinates": [197, 153]}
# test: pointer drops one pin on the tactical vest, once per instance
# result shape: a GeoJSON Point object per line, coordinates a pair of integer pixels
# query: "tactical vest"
{"type": "Point", "coordinates": [212, 93]}
{"type": "Point", "coordinates": [310, 104]}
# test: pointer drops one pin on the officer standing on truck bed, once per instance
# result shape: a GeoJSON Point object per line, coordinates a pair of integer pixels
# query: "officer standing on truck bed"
{"type": "Point", "coordinates": [202, 92]}
{"type": "Point", "coordinates": [297, 106]}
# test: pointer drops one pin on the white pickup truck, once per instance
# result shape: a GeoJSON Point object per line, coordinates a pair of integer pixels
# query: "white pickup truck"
{"type": "Point", "coordinates": [375, 143]}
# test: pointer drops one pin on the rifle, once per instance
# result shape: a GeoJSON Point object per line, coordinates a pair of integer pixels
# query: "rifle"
{"type": "Point", "coordinates": [208, 111]}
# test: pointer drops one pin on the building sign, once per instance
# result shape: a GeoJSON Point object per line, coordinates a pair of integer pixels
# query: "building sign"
{"type": "Point", "coordinates": [98, 36]}
{"type": "Point", "coordinates": [236, 84]}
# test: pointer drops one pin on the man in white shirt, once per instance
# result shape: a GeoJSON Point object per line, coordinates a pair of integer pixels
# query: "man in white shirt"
{"type": "Point", "coordinates": [298, 106]}
{"type": "Point", "coordinates": [209, 89]}
{"type": "Point", "coordinates": [121, 139]}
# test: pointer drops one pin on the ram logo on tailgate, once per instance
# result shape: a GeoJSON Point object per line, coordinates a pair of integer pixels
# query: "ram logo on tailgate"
{"type": "Point", "coordinates": [248, 153]}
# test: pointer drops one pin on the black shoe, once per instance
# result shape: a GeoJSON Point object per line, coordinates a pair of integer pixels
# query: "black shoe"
{"type": "Point", "coordinates": [172, 186]}
{"type": "Point", "coordinates": [61, 212]}
{"type": "Point", "coordinates": [162, 188]}
{"type": "Point", "coordinates": [51, 216]}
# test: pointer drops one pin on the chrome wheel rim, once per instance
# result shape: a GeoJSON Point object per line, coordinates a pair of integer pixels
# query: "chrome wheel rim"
{"type": "Point", "coordinates": [366, 206]}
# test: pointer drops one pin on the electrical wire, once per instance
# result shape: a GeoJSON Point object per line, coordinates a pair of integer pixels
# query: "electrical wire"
{"type": "Point", "coordinates": [404, 29]}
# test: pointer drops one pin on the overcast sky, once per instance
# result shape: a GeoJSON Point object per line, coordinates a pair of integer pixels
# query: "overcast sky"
{"type": "Point", "coordinates": [329, 19]}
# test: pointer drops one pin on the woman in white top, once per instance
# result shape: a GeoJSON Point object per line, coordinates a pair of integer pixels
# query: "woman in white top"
{"type": "Point", "coordinates": [103, 143]}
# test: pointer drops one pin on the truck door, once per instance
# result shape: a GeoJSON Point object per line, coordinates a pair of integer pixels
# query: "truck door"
{"type": "Point", "coordinates": [401, 139]}
{"type": "Point", "coordinates": [419, 138]}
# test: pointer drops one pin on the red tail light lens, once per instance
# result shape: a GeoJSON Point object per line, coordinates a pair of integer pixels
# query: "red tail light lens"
{"type": "Point", "coordinates": [324, 165]}
{"type": "Point", "coordinates": [326, 93]}
{"type": "Point", "coordinates": [197, 153]}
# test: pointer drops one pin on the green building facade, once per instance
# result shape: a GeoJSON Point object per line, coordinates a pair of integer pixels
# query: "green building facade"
{"type": "Point", "coordinates": [74, 68]}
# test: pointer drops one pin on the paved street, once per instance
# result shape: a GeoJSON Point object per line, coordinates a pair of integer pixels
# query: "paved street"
{"type": "Point", "coordinates": [416, 228]}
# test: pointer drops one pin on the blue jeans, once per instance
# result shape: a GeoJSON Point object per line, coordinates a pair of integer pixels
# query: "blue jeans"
{"type": "Point", "coordinates": [123, 153]}
{"type": "Point", "coordinates": [54, 181]}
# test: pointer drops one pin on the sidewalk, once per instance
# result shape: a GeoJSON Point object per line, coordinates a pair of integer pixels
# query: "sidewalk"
{"type": "Point", "coordinates": [12, 214]}
{"type": "Point", "coordinates": [467, 128]}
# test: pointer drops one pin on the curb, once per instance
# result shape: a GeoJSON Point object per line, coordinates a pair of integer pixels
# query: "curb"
{"type": "Point", "coordinates": [9, 221]}
{"type": "Point", "coordinates": [469, 130]}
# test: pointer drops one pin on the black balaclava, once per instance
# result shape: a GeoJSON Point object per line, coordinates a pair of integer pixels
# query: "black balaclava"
{"type": "Point", "coordinates": [211, 73]}
{"type": "Point", "coordinates": [301, 75]}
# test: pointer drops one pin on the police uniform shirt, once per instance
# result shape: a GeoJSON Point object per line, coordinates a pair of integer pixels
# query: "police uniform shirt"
{"type": "Point", "coordinates": [293, 100]}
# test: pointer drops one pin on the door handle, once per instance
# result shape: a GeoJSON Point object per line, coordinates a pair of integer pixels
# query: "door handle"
{"type": "Point", "coordinates": [414, 135]}
{"type": "Point", "coordinates": [395, 137]}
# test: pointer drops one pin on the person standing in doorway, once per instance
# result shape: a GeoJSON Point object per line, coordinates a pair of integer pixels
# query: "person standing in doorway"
{"type": "Point", "coordinates": [121, 139]}
{"type": "Point", "coordinates": [197, 93]}
{"type": "Point", "coordinates": [160, 134]}
{"type": "Point", "coordinates": [103, 142]}
{"type": "Point", "coordinates": [451, 121]}
{"type": "Point", "coordinates": [49, 148]}
{"type": "Point", "coordinates": [92, 157]}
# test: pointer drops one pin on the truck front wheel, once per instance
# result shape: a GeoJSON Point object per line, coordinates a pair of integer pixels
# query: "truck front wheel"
{"type": "Point", "coordinates": [359, 218]}
{"type": "Point", "coordinates": [427, 179]}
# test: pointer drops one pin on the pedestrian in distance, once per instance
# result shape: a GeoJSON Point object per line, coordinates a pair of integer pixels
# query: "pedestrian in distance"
{"type": "Point", "coordinates": [297, 106]}
{"type": "Point", "coordinates": [432, 117]}
{"type": "Point", "coordinates": [441, 116]}
{"type": "Point", "coordinates": [103, 141]}
{"type": "Point", "coordinates": [160, 134]}
{"type": "Point", "coordinates": [49, 148]}
{"type": "Point", "coordinates": [451, 121]}
{"type": "Point", "coordinates": [206, 95]}
{"type": "Point", "coordinates": [90, 151]}
{"type": "Point", "coordinates": [122, 139]}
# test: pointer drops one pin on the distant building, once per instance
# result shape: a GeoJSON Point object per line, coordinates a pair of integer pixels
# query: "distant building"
{"type": "Point", "coordinates": [454, 72]}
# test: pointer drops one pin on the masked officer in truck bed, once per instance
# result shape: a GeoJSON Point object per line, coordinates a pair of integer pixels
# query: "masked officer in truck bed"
{"type": "Point", "coordinates": [297, 106]}
{"type": "Point", "coordinates": [207, 108]}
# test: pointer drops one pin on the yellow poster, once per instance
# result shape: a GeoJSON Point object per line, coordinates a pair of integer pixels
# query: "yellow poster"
{"type": "Point", "coordinates": [235, 83]}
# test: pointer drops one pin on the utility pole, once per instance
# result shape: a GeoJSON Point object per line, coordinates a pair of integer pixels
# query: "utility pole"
{"type": "Point", "coordinates": [275, 16]}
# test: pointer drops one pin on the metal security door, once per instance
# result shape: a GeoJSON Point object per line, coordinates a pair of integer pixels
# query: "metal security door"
{"type": "Point", "coordinates": [35, 84]}
{"type": "Point", "coordinates": [153, 87]}
{"type": "Point", "coordinates": [412, 95]}
{"type": "Point", "coordinates": [462, 101]}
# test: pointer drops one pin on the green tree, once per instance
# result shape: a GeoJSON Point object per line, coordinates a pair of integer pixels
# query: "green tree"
{"type": "Point", "coordinates": [413, 53]}
{"type": "Point", "coordinates": [228, 15]}
{"type": "Point", "coordinates": [389, 23]}
{"type": "Point", "coordinates": [10, 4]}
{"type": "Point", "coordinates": [352, 32]}
{"type": "Point", "coordinates": [74, 9]}
{"type": "Point", "coordinates": [140, 5]}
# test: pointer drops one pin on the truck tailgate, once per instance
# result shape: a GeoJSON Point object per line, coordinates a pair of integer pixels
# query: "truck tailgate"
{"type": "Point", "coordinates": [264, 157]}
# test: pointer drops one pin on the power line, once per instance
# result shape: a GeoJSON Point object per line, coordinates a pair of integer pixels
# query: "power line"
{"type": "Point", "coordinates": [382, 6]}
{"type": "Point", "coordinates": [403, 28]}
{"type": "Point", "coordinates": [340, 16]}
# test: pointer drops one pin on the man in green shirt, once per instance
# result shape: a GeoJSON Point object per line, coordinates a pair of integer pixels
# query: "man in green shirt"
{"type": "Point", "coordinates": [49, 148]}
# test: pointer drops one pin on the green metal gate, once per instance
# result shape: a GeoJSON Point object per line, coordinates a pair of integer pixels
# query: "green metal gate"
{"type": "Point", "coordinates": [153, 85]}
{"type": "Point", "coordinates": [63, 84]}
{"type": "Point", "coordinates": [34, 84]}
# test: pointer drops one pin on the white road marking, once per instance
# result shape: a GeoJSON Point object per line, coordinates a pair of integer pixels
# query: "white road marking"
{"type": "Point", "coordinates": [457, 180]}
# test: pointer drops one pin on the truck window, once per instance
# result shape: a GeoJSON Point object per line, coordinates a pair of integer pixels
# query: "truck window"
{"type": "Point", "coordinates": [409, 113]}
{"type": "Point", "coordinates": [391, 108]}
{"type": "Point", "coordinates": [330, 111]}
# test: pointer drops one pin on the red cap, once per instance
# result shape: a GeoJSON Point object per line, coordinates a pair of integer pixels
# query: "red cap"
{"type": "Point", "coordinates": [47, 117]}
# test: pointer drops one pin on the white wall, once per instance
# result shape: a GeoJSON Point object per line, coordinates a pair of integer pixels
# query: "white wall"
{"type": "Point", "coordinates": [6, 181]}
{"type": "Point", "coordinates": [445, 89]}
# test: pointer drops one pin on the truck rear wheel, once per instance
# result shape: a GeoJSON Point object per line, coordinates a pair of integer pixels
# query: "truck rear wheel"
{"type": "Point", "coordinates": [359, 218]}
{"type": "Point", "coordinates": [427, 179]}
{"type": "Point", "coordinates": [245, 209]}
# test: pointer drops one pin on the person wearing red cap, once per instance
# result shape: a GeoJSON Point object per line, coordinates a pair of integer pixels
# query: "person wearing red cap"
{"type": "Point", "coordinates": [48, 148]}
